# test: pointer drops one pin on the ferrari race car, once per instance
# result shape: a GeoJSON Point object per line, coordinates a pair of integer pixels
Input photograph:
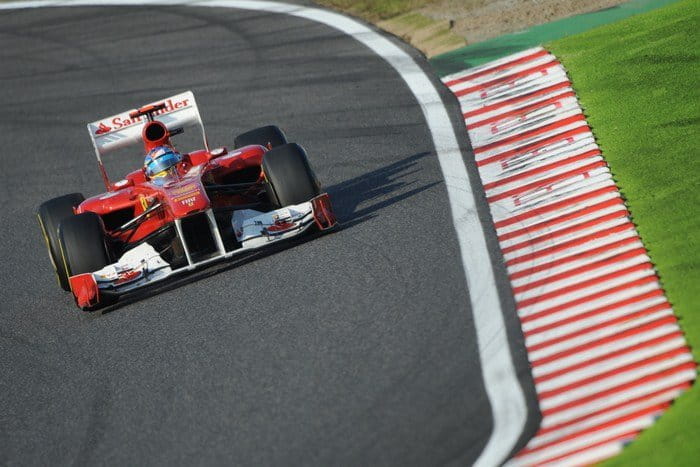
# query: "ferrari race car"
{"type": "Point", "coordinates": [205, 206]}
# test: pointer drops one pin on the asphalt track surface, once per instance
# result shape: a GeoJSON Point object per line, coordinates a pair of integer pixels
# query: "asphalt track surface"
{"type": "Point", "coordinates": [354, 348]}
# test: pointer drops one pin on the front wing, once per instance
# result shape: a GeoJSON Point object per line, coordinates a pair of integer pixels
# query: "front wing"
{"type": "Point", "coordinates": [142, 266]}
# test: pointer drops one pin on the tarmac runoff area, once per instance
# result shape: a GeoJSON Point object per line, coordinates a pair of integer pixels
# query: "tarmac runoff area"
{"type": "Point", "coordinates": [365, 346]}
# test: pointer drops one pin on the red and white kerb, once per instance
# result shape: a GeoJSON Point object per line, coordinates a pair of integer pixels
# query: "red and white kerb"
{"type": "Point", "coordinates": [606, 351]}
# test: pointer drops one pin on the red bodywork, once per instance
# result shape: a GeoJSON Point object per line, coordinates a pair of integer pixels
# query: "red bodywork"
{"type": "Point", "coordinates": [212, 205]}
{"type": "Point", "coordinates": [130, 197]}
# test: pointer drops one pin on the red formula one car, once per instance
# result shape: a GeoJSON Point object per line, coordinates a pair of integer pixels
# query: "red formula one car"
{"type": "Point", "coordinates": [180, 211]}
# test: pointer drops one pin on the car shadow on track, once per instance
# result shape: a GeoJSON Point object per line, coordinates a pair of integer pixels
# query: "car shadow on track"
{"type": "Point", "coordinates": [381, 188]}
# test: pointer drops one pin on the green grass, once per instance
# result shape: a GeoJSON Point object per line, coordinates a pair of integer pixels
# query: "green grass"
{"type": "Point", "coordinates": [637, 81]}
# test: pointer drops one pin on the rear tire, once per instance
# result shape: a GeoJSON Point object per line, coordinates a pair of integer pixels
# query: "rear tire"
{"type": "Point", "coordinates": [263, 136]}
{"type": "Point", "coordinates": [290, 179]}
{"type": "Point", "coordinates": [83, 247]}
{"type": "Point", "coordinates": [50, 215]}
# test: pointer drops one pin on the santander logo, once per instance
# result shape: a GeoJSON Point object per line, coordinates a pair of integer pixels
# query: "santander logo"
{"type": "Point", "coordinates": [102, 129]}
{"type": "Point", "coordinates": [123, 120]}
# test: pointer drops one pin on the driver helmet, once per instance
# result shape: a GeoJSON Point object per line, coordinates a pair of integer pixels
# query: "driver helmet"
{"type": "Point", "coordinates": [160, 161]}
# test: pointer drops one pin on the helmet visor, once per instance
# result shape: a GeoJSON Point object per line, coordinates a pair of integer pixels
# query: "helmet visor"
{"type": "Point", "coordinates": [162, 162]}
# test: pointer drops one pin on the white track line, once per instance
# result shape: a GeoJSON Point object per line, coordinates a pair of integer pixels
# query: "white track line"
{"type": "Point", "coordinates": [500, 380]}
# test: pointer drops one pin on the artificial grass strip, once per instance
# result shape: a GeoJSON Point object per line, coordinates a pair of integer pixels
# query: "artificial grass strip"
{"type": "Point", "coordinates": [637, 81]}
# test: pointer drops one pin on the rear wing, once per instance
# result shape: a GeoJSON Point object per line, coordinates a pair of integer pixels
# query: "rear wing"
{"type": "Point", "coordinates": [122, 130]}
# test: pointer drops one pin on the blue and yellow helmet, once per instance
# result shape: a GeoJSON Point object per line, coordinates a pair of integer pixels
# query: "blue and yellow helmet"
{"type": "Point", "coordinates": [160, 160]}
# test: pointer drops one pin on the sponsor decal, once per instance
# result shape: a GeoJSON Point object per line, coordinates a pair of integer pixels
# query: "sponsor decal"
{"type": "Point", "coordinates": [283, 222]}
{"type": "Point", "coordinates": [102, 129]}
{"type": "Point", "coordinates": [119, 277]}
{"type": "Point", "coordinates": [123, 120]}
{"type": "Point", "coordinates": [186, 195]}
{"type": "Point", "coordinates": [188, 201]}
{"type": "Point", "coordinates": [127, 276]}
{"type": "Point", "coordinates": [280, 226]}
{"type": "Point", "coordinates": [190, 194]}
{"type": "Point", "coordinates": [185, 189]}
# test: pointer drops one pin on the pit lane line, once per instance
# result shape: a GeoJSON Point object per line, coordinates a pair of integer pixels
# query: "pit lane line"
{"type": "Point", "coordinates": [505, 394]}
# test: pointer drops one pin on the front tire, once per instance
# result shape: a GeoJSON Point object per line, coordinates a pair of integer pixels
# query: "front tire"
{"type": "Point", "coordinates": [289, 177]}
{"type": "Point", "coordinates": [83, 246]}
{"type": "Point", "coordinates": [50, 215]}
{"type": "Point", "coordinates": [269, 136]}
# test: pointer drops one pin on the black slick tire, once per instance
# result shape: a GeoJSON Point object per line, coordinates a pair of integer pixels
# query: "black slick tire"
{"type": "Point", "coordinates": [50, 215]}
{"type": "Point", "coordinates": [269, 136]}
{"type": "Point", "coordinates": [82, 241]}
{"type": "Point", "coordinates": [288, 175]}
